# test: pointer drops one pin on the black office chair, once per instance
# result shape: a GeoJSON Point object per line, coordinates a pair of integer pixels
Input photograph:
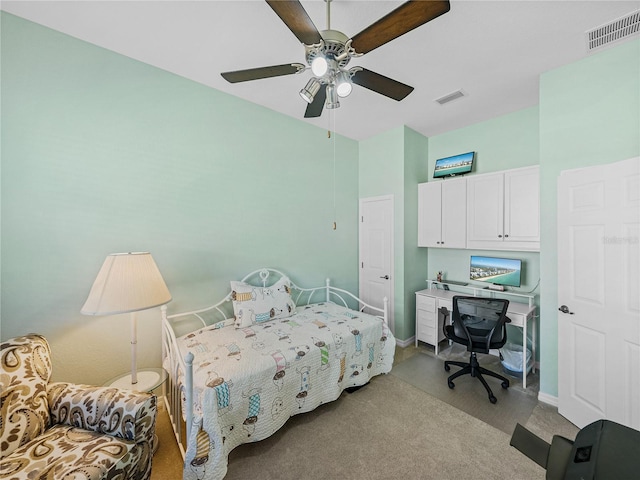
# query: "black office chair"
{"type": "Point", "coordinates": [478, 323]}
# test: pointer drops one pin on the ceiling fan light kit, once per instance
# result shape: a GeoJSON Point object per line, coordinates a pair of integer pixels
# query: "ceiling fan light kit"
{"type": "Point", "coordinates": [332, 97]}
{"type": "Point", "coordinates": [343, 84]}
{"type": "Point", "coordinates": [309, 91]}
{"type": "Point", "coordinates": [328, 53]}
{"type": "Point", "coordinates": [319, 66]}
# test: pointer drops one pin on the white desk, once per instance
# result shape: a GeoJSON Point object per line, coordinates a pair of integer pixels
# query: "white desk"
{"type": "Point", "coordinates": [429, 329]}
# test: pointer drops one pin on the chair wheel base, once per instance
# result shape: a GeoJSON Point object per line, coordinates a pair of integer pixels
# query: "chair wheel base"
{"type": "Point", "coordinates": [474, 369]}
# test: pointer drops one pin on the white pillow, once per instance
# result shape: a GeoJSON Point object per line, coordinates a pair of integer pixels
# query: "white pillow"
{"type": "Point", "coordinates": [253, 305]}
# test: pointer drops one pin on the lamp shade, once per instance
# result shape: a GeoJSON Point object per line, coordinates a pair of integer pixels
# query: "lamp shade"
{"type": "Point", "coordinates": [127, 282]}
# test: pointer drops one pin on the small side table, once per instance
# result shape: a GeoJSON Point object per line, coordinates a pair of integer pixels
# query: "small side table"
{"type": "Point", "coordinates": [148, 380]}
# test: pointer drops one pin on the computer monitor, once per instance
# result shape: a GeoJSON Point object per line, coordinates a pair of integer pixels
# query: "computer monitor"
{"type": "Point", "coordinates": [497, 271]}
{"type": "Point", "coordinates": [456, 165]}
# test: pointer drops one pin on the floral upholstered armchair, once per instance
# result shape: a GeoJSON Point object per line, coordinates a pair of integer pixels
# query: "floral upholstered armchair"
{"type": "Point", "coordinates": [60, 430]}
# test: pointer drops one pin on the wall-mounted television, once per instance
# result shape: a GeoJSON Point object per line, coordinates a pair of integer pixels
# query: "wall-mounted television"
{"type": "Point", "coordinates": [456, 165]}
{"type": "Point", "coordinates": [497, 271]}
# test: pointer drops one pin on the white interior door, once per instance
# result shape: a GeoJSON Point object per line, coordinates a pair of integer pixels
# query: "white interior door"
{"type": "Point", "coordinates": [598, 290]}
{"type": "Point", "coordinates": [376, 252]}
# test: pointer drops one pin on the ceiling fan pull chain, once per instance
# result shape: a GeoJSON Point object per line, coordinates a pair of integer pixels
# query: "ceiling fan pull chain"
{"type": "Point", "coordinates": [332, 116]}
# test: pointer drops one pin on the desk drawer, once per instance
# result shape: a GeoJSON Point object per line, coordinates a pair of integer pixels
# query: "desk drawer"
{"type": "Point", "coordinates": [448, 304]}
{"type": "Point", "coordinates": [429, 335]}
{"type": "Point", "coordinates": [427, 318]}
{"type": "Point", "coordinates": [426, 303]}
{"type": "Point", "coordinates": [426, 334]}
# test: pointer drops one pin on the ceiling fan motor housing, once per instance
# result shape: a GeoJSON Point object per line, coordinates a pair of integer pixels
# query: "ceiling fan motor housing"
{"type": "Point", "coordinates": [332, 46]}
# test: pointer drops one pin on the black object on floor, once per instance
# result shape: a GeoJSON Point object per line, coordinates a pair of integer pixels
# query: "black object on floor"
{"type": "Point", "coordinates": [601, 450]}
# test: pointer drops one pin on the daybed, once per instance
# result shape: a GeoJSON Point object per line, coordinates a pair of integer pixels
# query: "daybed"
{"type": "Point", "coordinates": [237, 377]}
{"type": "Point", "coordinates": [57, 430]}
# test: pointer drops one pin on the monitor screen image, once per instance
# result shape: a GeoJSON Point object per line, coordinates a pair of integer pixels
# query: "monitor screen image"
{"type": "Point", "coordinates": [498, 271]}
{"type": "Point", "coordinates": [456, 165]}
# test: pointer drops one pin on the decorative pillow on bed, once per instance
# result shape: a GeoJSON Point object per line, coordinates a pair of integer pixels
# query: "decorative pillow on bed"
{"type": "Point", "coordinates": [253, 305]}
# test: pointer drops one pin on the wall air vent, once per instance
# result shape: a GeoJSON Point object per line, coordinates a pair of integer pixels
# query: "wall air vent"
{"type": "Point", "coordinates": [450, 97]}
{"type": "Point", "coordinates": [614, 31]}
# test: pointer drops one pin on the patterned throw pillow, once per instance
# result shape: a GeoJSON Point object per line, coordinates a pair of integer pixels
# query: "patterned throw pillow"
{"type": "Point", "coordinates": [253, 305]}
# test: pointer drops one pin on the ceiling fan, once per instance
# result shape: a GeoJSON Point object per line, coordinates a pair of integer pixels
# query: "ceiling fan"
{"type": "Point", "coordinates": [328, 52]}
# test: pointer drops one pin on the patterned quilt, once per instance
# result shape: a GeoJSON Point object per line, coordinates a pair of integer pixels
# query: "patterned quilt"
{"type": "Point", "coordinates": [249, 381]}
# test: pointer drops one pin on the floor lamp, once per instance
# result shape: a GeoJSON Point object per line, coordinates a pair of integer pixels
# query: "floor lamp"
{"type": "Point", "coordinates": [128, 283]}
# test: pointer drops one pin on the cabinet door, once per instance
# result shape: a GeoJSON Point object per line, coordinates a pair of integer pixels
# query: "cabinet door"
{"type": "Point", "coordinates": [503, 210]}
{"type": "Point", "coordinates": [485, 208]}
{"type": "Point", "coordinates": [454, 213]}
{"type": "Point", "coordinates": [429, 214]}
{"type": "Point", "coordinates": [522, 207]}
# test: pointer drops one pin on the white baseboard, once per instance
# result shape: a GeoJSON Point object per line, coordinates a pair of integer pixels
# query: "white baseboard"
{"type": "Point", "coordinates": [406, 343]}
{"type": "Point", "coordinates": [548, 399]}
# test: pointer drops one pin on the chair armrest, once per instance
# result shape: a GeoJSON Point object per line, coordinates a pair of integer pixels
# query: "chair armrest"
{"type": "Point", "coordinates": [121, 413]}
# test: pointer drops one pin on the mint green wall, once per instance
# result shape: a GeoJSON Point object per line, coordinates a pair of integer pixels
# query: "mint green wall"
{"type": "Point", "coordinates": [381, 164]}
{"type": "Point", "coordinates": [508, 141]}
{"type": "Point", "coordinates": [415, 258]}
{"type": "Point", "coordinates": [102, 154]}
{"type": "Point", "coordinates": [389, 165]}
{"type": "Point", "coordinates": [589, 115]}
{"type": "Point", "coordinates": [381, 172]}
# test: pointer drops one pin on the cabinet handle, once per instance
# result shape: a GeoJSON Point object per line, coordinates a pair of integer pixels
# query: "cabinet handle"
{"type": "Point", "coordinates": [506, 236]}
{"type": "Point", "coordinates": [499, 236]}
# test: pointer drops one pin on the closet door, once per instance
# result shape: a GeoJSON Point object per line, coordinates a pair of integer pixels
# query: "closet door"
{"type": "Point", "coordinates": [598, 284]}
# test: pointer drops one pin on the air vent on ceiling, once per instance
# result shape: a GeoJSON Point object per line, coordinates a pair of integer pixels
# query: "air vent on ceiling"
{"type": "Point", "coordinates": [614, 31]}
{"type": "Point", "coordinates": [450, 97]}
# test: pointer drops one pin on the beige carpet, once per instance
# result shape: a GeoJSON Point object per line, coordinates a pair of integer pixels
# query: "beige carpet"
{"type": "Point", "coordinates": [388, 429]}
{"type": "Point", "coordinates": [167, 462]}
{"type": "Point", "coordinates": [426, 372]}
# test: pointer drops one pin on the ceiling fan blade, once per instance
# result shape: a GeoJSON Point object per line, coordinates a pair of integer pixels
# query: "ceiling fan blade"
{"type": "Point", "coordinates": [403, 19]}
{"type": "Point", "coordinates": [381, 84]}
{"type": "Point", "coordinates": [294, 16]}
{"type": "Point", "coordinates": [314, 109]}
{"type": "Point", "coordinates": [262, 72]}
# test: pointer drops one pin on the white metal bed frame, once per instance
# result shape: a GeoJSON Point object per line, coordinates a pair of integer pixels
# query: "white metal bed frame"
{"type": "Point", "coordinates": [170, 349]}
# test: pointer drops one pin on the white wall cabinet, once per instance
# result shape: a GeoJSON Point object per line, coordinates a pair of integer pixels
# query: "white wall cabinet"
{"type": "Point", "coordinates": [442, 208]}
{"type": "Point", "coordinates": [503, 210]}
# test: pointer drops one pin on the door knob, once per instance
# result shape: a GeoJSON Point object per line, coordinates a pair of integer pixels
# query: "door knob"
{"type": "Point", "coordinates": [386, 277]}
{"type": "Point", "coordinates": [565, 309]}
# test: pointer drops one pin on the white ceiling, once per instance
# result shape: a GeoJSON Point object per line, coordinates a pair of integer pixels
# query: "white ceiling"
{"type": "Point", "coordinates": [494, 51]}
